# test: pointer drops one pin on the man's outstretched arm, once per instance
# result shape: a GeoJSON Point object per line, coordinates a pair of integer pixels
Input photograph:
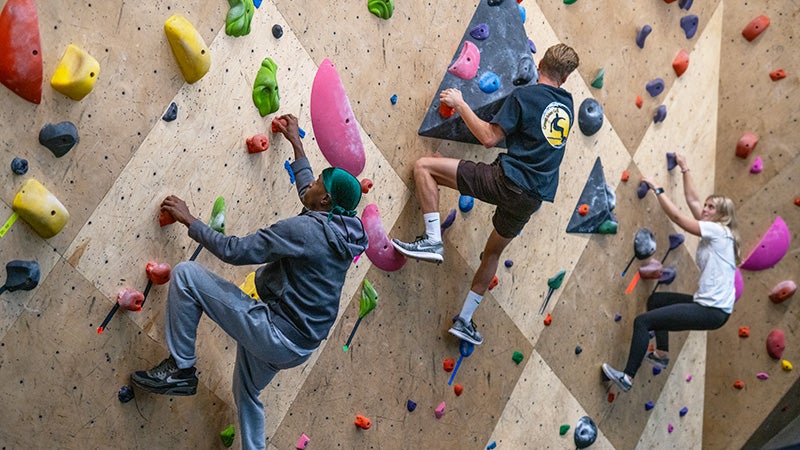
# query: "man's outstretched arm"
{"type": "Point", "coordinates": [489, 134]}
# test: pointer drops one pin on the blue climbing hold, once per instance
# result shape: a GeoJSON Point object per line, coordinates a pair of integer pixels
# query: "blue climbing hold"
{"type": "Point", "coordinates": [661, 114]}
{"type": "Point", "coordinates": [578, 350]}
{"type": "Point", "coordinates": [256, 3]}
{"type": "Point", "coordinates": [489, 82]}
{"type": "Point", "coordinates": [656, 370]}
{"type": "Point", "coordinates": [532, 46]}
{"type": "Point", "coordinates": [522, 13]}
{"type": "Point", "coordinates": [411, 405]}
{"type": "Point", "coordinates": [689, 25]}
{"type": "Point", "coordinates": [685, 4]}
{"type": "Point", "coordinates": [492, 445]}
{"type": "Point", "coordinates": [465, 203]}
{"type": "Point", "coordinates": [288, 166]}
{"type": "Point", "coordinates": [655, 87]}
{"type": "Point", "coordinates": [302, 132]}
{"type": "Point", "coordinates": [617, 317]}
{"type": "Point", "coordinates": [683, 411]}
{"type": "Point", "coordinates": [393, 99]}
{"type": "Point", "coordinates": [125, 394]}
{"type": "Point", "coordinates": [642, 34]}
{"type": "Point", "coordinates": [648, 406]}
{"type": "Point", "coordinates": [19, 166]}
{"type": "Point", "coordinates": [509, 263]}
{"type": "Point", "coordinates": [480, 32]}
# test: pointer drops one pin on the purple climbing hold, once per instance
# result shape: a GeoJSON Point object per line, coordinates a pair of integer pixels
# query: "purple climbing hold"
{"type": "Point", "coordinates": [509, 263]}
{"type": "Point", "coordinates": [617, 317]}
{"type": "Point", "coordinates": [532, 46]}
{"type": "Point", "coordinates": [411, 405]}
{"type": "Point", "coordinates": [649, 405]}
{"type": "Point", "coordinates": [689, 25]}
{"type": "Point", "coordinates": [670, 428]}
{"type": "Point", "coordinates": [480, 32]}
{"type": "Point", "coordinates": [656, 370]}
{"type": "Point", "coordinates": [671, 162]}
{"type": "Point", "coordinates": [683, 411]}
{"type": "Point", "coordinates": [641, 191]}
{"type": "Point", "coordinates": [667, 275]}
{"type": "Point", "coordinates": [660, 114]}
{"type": "Point", "coordinates": [655, 87]}
{"type": "Point", "coordinates": [19, 166]}
{"type": "Point", "coordinates": [685, 4]}
{"type": "Point", "coordinates": [642, 34]}
{"type": "Point", "coordinates": [448, 221]}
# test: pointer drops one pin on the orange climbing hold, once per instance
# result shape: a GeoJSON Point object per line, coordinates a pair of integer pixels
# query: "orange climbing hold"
{"type": "Point", "coordinates": [275, 122]}
{"type": "Point", "coordinates": [797, 201]}
{"type": "Point", "coordinates": [746, 144]}
{"type": "Point", "coordinates": [744, 332]}
{"type": "Point", "coordinates": [257, 143]}
{"type": "Point", "coordinates": [583, 209]}
{"type": "Point", "coordinates": [21, 50]}
{"type": "Point", "coordinates": [493, 284]}
{"type": "Point", "coordinates": [625, 176]}
{"type": "Point", "coordinates": [738, 384]}
{"type": "Point", "coordinates": [611, 397]}
{"type": "Point", "coordinates": [446, 111]}
{"type": "Point", "coordinates": [458, 389]}
{"type": "Point", "coordinates": [548, 320]}
{"type": "Point", "coordinates": [681, 62]}
{"type": "Point", "coordinates": [755, 27]}
{"type": "Point", "coordinates": [449, 364]}
{"type": "Point", "coordinates": [777, 74]}
{"type": "Point", "coordinates": [363, 423]}
{"type": "Point", "coordinates": [639, 101]}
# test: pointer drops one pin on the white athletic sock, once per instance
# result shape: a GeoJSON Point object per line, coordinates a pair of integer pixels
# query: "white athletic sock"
{"type": "Point", "coordinates": [470, 305]}
{"type": "Point", "coordinates": [433, 226]}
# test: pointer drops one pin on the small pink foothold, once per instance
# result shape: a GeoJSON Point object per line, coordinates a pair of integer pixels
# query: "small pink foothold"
{"type": "Point", "coordinates": [670, 428]}
{"type": "Point", "coordinates": [688, 378]}
{"type": "Point", "coordinates": [757, 166]}
{"type": "Point", "coordinates": [762, 376]}
{"type": "Point", "coordinates": [439, 412]}
{"type": "Point", "coordinates": [302, 442]}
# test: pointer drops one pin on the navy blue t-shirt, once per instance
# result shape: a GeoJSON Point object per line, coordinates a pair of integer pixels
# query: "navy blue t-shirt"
{"type": "Point", "coordinates": [537, 120]}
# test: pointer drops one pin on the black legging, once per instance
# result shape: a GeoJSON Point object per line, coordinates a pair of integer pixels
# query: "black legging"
{"type": "Point", "coordinates": [669, 311]}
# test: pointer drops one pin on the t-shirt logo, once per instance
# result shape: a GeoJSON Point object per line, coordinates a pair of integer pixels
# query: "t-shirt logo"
{"type": "Point", "coordinates": [556, 124]}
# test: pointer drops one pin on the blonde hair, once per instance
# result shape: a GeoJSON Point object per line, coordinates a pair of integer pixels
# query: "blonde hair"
{"type": "Point", "coordinates": [559, 61]}
{"type": "Point", "coordinates": [726, 215]}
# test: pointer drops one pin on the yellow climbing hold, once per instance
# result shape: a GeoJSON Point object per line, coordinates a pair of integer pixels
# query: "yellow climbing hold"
{"type": "Point", "coordinates": [188, 47]}
{"type": "Point", "coordinates": [249, 285]}
{"type": "Point", "coordinates": [786, 365]}
{"type": "Point", "coordinates": [76, 73]}
{"type": "Point", "coordinates": [41, 209]}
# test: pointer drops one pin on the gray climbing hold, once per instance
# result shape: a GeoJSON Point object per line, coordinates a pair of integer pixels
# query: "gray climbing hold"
{"type": "Point", "coordinates": [277, 31]}
{"type": "Point", "coordinates": [585, 432]}
{"type": "Point", "coordinates": [22, 275]}
{"type": "Point", "coordinates": [19, 166]}
{"type": "Point", "coordinates": [660, 114]}
{"type": "Point", "coordinates": [644, 244]}
{"type": "Point", "coordinates": [655, 87]}
{"type": "Point", "coordinates": [526, 71]}
{"type": "Point", "coordinates": [590, 116]}
{"type": "Point", "coordinates": [689, 25]}
{"type": "Point", "coordinates": [642, 34]}
{"type": "Point", "coordinates": [171, 114]}
{"type": "Point", "coordinates": [480, 32]}
{"type": "Point", "coordinates": [59, 138]}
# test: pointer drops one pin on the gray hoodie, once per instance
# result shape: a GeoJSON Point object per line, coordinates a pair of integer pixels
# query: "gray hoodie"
{"type": "Point", "coordinates": [305, 259]}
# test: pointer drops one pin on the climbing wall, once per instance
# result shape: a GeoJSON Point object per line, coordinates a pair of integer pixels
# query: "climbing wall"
{"type": "Point", "coordinates": [61, 377]}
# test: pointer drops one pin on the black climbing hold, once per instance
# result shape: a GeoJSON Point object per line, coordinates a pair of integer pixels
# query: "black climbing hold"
{"type": "Point", "coordinates": [277, 31]}
{"type": "Point", "coordinates": [590, 116]}
{"type": "Point", "coordinates": [578, 350]}
{"type": "Point", "coordinates": [22, 275]}
{"type": "Point", "coordinates": [494, 2]}
{"type": "Point", "coordinates": [585, 432]}
{"type": "Point", "coordinates": [125, 394]}
{"type": "Point", "coordinates": [59, 138]}
{"type": "Point", "coordinates": [19, 166]}
{"type": "Point", "coordinates": [526, 71]}
{"type": "Point", "coordinates": [171, 114]}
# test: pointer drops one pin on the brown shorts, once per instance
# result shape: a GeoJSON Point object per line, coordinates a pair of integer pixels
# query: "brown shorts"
{"type": "Point", "coordinates": [488, 183]}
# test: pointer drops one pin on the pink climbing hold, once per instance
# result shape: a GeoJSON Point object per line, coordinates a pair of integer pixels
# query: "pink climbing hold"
{"type": "Point", "coordinates": [257, 143]}
{"type": "Point", "coordinates": [762, 376]}
{"type": "Point", "coordinates": [776, 344]}
{"type": "Point", "coordinates": [439, 412]}
{"type": "Point", "coordinates": [771, 248]}
{"type": "Point", "coordinates": [652, 270]}
{"type": "Point", "coordinates": [335, 126]}
{"type": "Point", "coordinates": [746, 144]}
{"type": "Point", "coordinates": [757, 166]}
{"type": "Point", "coordinates": [688, 378]}
{"type": "Point", "coordinates": [670, 428]}
{"type": "Point", "coordinates": [302, 442]}
{"type": "Point", "coordinates": [466, 65]}
{"type": "Point", "coordinates": [380, 250]}
{"type": "Point", "coordinates": [782, 291]}
{"type": "Point", "coordinates": [681, 62]}
{"type": "Point", "coordinates": [738, 284]}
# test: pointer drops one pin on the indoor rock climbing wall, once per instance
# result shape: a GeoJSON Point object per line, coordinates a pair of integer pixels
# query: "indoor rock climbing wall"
{"type": "Point", "coordinates": [61, 378]}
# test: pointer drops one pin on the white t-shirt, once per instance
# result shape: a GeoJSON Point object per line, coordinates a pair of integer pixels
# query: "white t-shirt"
{"type": "Point", "coordinates": [717, 261]}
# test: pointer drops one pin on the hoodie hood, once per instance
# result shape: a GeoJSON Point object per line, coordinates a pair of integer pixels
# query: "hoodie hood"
{"type": "Point", "coordinates": [345, 234]}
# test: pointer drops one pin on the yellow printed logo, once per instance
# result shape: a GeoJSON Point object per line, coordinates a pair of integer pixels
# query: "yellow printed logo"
{"type": "Point", "coordinates": [556, 124]}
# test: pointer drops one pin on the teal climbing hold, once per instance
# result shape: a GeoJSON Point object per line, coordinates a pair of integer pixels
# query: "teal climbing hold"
{"type": "Point", "coordinates": [598, 80]}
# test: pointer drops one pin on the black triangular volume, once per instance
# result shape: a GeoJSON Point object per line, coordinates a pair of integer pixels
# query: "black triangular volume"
{"type": "Point", "coordinates": [600, 200]}
{"type": "Point", "coordinates": [496, 29]}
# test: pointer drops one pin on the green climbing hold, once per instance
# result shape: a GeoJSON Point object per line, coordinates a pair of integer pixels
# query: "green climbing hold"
{"type": "Point", "coordinates": [227, 436]}
{"type": "Point", "coordinates": [217, 222]}
{"type": "Point", "coordinates": [381, 8]}
{"type": "Point", "coordinates": [564, 428]}
{"type": "Point", "coordinates": [569, 2]}
{"type": "Point", "coordinates": [369, 299]}
{"type": "Point", "coordinates": [237, 22]}
{"type": "Point", "coordinates": [608, 227]}
{"type": "Point", "coordinates": [265, 88]}
{"type": "Point", "coordinates": [556, 280]}
{"type": "Point", "coordinates": [517, 357]}
{"type": "Point", "coordinates": [598, 80]}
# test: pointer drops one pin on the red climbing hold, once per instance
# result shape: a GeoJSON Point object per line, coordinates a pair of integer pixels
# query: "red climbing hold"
{"type": "Point", "coordinates": [366, 185]}
{"type": "Point", "coordinates": [165, 219]}
{"type": "Point", "coordinates": [611, 397]}
{"type": "Point", "coordinates": [755, 27]}
{"type": "Point", "coordinates": [744, 332]}
{"type": "Point", "coordinates": [21, 50]}
{"type": "Point", "coordinates": [681, 62]}
{"type": "Point", "coordinates": [583, 209]}
{"type": "Point", "coordinates": [158, 273]}
{"type": "Point", "coordinates": [782, 291]}
{"type": "Point", "coordinates": [275, 122]}
{"type": "Point", "coordinates": [639, 101]}
{"type": "Point", "coordinates": [777, 74]}
{"type": "Point", "coordinates": [257, 143]}
{"type": "Point", "coordinates": [746, 144]}
{"type": "Point", "coordinates": [776, 343]}
{"type": "Point", "coordinates": [446, 111]}
{"type": "Point", "coordinates": [363, 423]}
{"type": "Point", "coordinates": [548, 320]}
{"type": "Point", "coordinates": [797, 201]}
{"type": "Point", "coordinates": [458, 389]}
{"type": "Point", "coordinates": [625, 176]}
{"type": "Point", "coordinates": [738, 384]}
{"type": "Point", "coordinates": [449, 364]}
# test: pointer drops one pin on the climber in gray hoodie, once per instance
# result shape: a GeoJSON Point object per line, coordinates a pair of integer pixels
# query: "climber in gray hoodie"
{"type": "Point", "coordinates": [305, 259]}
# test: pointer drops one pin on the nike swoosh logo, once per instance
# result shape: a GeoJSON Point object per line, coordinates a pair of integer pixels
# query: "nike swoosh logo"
{"type": "Point", "coordinates": [432, 220]}
{"type": "Point", "coordinates": [180, 382]}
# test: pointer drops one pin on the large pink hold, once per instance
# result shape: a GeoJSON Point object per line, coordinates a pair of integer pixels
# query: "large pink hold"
{"type": "Point", "coordinates": [771, 249]}
{"type": "Point", "coordinates": [782, 291]}
{"type": "Point", "coordinates": [130, 299]}
{"type": "Point", "coordinates": [380, 251]}
{"type": "Point", "coordinates": [738, 284]}
{"type": "Point", "coordinates": [335, 126]}
{"type": "Point", "coordinates": [652, 270]}
{"type": "Point", "coordinates": [776, 343]}
{"type": "Point", "coordinates": [466, 66]}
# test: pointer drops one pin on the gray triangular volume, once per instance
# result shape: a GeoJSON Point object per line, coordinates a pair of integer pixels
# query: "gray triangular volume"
{"type": "Point", "coordinates": [505, 52]}
{"type": "Point", "coordinates": [600, 199]}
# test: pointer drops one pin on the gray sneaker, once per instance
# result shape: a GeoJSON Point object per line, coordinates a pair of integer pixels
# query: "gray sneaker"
{"type": "Point", "coordinates": [466, 331]}
{"type": "Point", "coordinates": [166, 378]}
{"type": "Point", "coordinates": [423, 248]}
{"type": "Point", "coordinates": [661, 363]}
{"type": "Point", "coordinates": [617, 377]}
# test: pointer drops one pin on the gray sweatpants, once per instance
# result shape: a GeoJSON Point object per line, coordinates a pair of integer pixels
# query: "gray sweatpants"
{"type": "Point", "coordinates": [261, 350]}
